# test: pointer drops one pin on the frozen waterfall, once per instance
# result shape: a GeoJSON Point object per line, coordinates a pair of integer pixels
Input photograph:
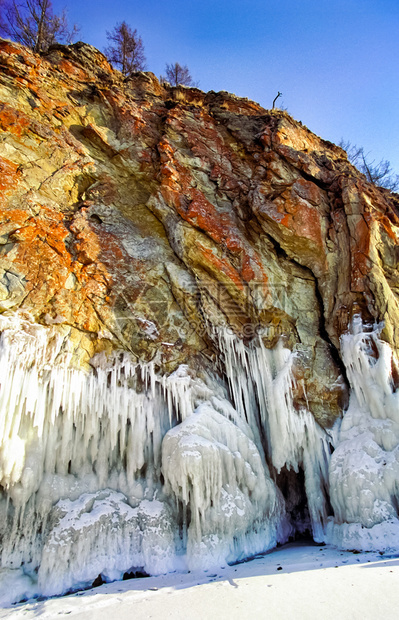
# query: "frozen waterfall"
{"type": "Point", "coordinates": [117, 469]}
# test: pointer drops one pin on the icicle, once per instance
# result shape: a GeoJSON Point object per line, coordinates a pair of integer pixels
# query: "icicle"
{"type": "Point", "coordinates": [71, 436]}
{"type": "Point", "coordinates": [64, 432]}
{"type": "Point", "coordinates": [261, 380]}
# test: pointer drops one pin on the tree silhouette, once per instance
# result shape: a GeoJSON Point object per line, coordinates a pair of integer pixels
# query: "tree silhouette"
{"type": "Point", "coordinates": [126, 50]}
{"type": "Point", "coordinates": [177, 74]}
{"type": "Point", "coordinates": [34, 24]}
{"type": "Point", "coordinates": [380, 174]}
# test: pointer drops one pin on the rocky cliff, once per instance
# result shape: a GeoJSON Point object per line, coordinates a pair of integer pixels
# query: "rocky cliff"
{"type": "Point", "coordinates": [182, 230]}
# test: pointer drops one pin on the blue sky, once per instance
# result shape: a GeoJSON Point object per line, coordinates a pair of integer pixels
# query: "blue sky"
{"type": "Point", "coordinates": [335, 61]}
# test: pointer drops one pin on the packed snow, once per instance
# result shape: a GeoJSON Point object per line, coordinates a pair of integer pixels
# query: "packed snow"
{"type": "Point", "coordinates": [295, 581]}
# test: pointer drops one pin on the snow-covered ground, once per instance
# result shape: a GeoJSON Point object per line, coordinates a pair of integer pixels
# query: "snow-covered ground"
{"type": "Point", "coordinates": [294, 582]}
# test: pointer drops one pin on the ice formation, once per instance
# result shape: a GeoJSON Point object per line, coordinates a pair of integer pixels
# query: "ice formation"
{"type": "Point", "coordinates": [84, 455]}
{"type": "Point", "coordinates": [364, 470]}
{"type": "Point", "coordinates": [66, 433]}
{"type": "Point", "coordinates": [115, 469]}
{"type": "Point", "coordinates": [100, 534]}
{"type": "Point", "coordinates": [215, 469]}
{"type": "Point", "coordinates": [261, 380]}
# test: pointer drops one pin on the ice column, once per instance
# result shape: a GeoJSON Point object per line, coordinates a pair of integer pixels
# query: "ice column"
{"type": "Point", "coordinates": [364, 470]}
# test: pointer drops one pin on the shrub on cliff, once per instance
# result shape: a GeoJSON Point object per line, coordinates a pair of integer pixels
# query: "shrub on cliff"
{"type": "Point", "coordinates": [177, 74]}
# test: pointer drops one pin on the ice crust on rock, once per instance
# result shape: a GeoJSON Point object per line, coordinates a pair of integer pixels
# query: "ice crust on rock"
{"type": "Point", "coordinates": [66, 432]}
{"type": "Point", "coordinates": [214, 468]}
{"type": "Point", "coordinates": [364, 469]}
{"type": "Point", "coordinates": [100, 534]}
{"type": "Point", "coordinates": [80, 455]}
{"type": "Point", "coordinates": [16, 586]}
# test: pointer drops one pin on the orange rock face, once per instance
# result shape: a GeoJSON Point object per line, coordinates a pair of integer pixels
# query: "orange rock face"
{"type": "Point", "coordinates": [142, 216]}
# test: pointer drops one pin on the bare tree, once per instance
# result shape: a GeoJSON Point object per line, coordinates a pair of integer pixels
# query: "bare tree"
{"type": "Point", "coordinates": [34, 24]}
{"type": "Point", "coordinates": [380, 174]}
{"type": "Point", "coordinates": [126, 49]}
{"type": "Point", "coordinates": [176, 74]}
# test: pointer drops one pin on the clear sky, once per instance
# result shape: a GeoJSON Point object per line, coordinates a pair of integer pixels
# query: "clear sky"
{"type": "Point", "coordinates": [335, 61]}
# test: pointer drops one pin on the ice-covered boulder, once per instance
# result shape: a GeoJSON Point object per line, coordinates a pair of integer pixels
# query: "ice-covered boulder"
{"type": "Point", "coordinates": [99, 534]}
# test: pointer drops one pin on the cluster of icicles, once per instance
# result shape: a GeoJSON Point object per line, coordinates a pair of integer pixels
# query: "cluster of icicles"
{"type": "Point", "coordinates": [164, 473]}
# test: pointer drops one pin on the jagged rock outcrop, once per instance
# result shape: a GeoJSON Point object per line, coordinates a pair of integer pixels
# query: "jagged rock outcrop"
{"type": "Point", "coordinates": [135, 213]}
{"type": "Point", "coordinates": [143, 218]}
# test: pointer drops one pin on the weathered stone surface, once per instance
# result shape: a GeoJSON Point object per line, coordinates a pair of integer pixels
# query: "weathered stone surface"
{"type": "Point", "coordinates": [140, 215]}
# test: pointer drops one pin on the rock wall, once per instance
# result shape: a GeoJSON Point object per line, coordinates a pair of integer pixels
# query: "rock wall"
{"type": "Point", "coordinates": [135, 214]}
{"type": "Point", "coordinates": [183, 228]}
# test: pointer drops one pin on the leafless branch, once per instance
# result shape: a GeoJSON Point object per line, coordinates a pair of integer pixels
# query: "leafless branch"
{"type": "Point", "coordinates": [177, 74]}
{"type": "Point", "coordinates": [380, 174]}
{"type": "Point", "coordinates": [34, 24]}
